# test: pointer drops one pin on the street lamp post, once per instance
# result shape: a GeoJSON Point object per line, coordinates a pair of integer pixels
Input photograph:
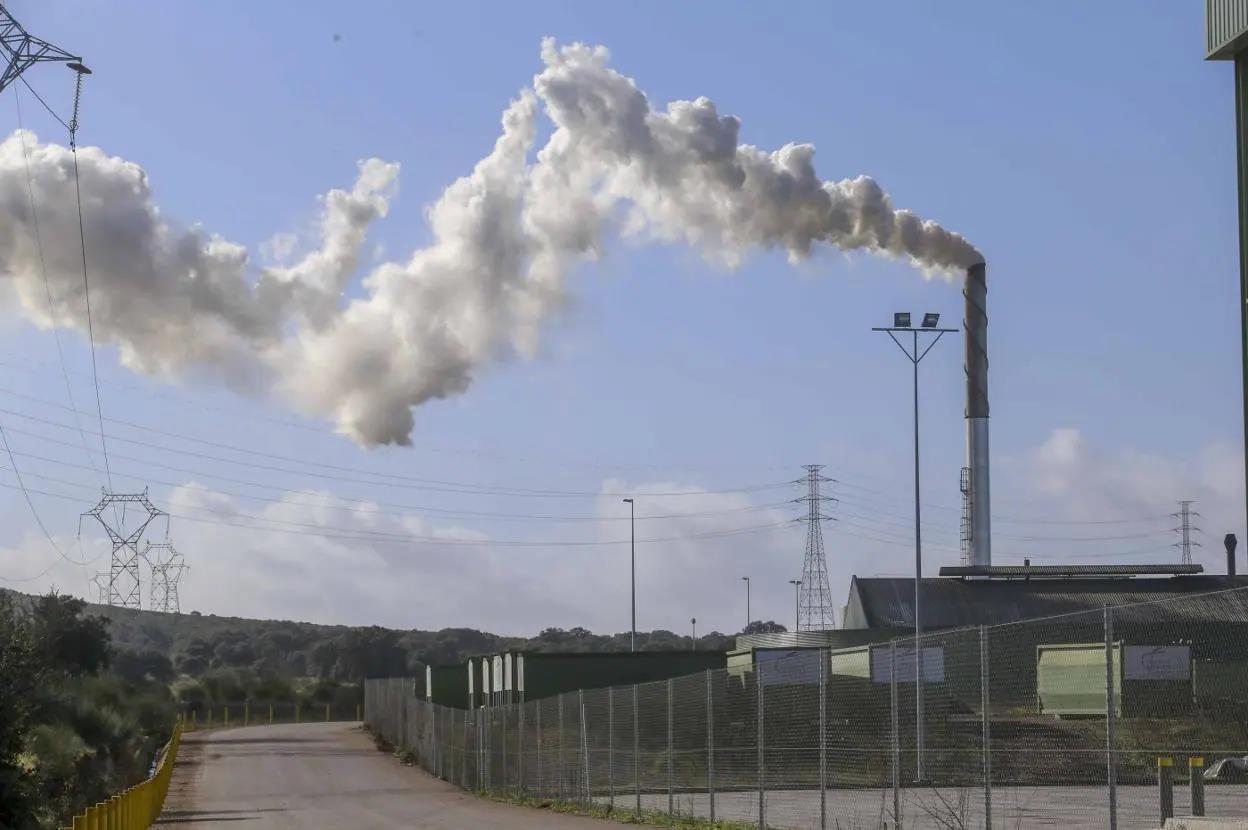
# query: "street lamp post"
{"type": "Point", "coordinates": [797, 605]}
{"type": "Point", "coordinates": [747, 603]}
{"type": "Point", "coordinates": [901, 323]}
{"type": "Point", "coordinates": [632, 558]}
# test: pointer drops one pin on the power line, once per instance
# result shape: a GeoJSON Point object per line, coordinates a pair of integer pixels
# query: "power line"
{"type": "Point", "coordinates": [363, 535]}
{"type": "Point", "coordinates": [201, 405]}
{"type": "Point", "coordinates": [370, 507]}
{"type": "Point", "coordinates": [31, 504]}
{"type": "Point", "coordinates": [47, 287]}
{"type": "Point", "coordinates": [399, 481]}
{"type": "Point", "coordinates": [86, 283]}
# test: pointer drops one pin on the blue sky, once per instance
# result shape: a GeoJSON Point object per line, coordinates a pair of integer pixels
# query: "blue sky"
{"type": "Point", "coordinates": [1086, 149]}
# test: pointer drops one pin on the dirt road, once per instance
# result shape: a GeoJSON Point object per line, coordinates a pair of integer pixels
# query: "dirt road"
{"type": "Point", "coordinates": [326, 775]}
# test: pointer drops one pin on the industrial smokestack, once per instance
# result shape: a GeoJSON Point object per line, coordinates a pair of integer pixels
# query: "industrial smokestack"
{"type": "Point", "coordinates": [975, 326]}
{"type": "Point", "coordinates": [1230, 541]}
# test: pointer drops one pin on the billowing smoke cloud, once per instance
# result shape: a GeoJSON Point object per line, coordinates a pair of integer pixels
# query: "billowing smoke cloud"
{"type": "Point", "coordinates": [176, 301]}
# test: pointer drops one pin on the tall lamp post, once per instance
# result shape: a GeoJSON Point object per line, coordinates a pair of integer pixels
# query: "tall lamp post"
{"type": "Point", "coordinates": [797, 605]}
{"type": "Point", "coordinates": [747, 603]}
{"type": "Point", "coordinates": [632, 558]}
{"type": "Point", "coordinates": [901, 325]}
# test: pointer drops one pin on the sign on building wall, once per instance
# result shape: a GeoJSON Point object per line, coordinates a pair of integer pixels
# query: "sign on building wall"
{"type": "Point", "coordinates": [788, 667]}
{"type": "Point", "coordinates": [933, 664]}
{"type": "Point", "coordinates": [1158, 663]}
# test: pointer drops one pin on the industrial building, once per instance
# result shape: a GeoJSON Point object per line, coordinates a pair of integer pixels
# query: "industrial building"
{"type": "Point", "coordinates": [516, 676]}
{"type": "Point", "coordinates": [973, 596]}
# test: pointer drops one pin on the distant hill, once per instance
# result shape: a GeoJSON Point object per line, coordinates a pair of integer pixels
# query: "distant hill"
{"type": "Point", "coordinates": [197, 644]}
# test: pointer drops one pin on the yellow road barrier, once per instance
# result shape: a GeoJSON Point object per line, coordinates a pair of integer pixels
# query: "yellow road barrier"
{"type": "Point", "coordinates": [138, 807]}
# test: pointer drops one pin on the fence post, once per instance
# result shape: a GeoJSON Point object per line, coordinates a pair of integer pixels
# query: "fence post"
{"type": "Point", "coordinates": [537, 708]}
{"type": "Point", "coordinates": [1165, 787]}
{"type": "Point", "coordinates": [1196, 775]}
{"type": "Point", "coordinates": [636, 756]}
{"type": "Point", "coordinates": [520, 749]}
{"type": "Point", "coordinates": [580, 695]}
{"type": "Point", "coordinates": [823, 738]}
{"type": "Point", "coordinates": [984, 705]}
{"type": "Point", "coordinates": [670, 746]}
{"type": "Point", "coordinates": [710, 744]}
{"type": "Point", "coordinates": [896, 739]}
{"type": "Point", "coordinates": [1110, 719]}
{"type": "Point", "coordinates": [762, 781]}
{"type": "Point", "coordinates": [611, 746]}
{"type": "Point", "coordinates": [559, 785]}
{"type": "Point", "coordinates": [476, 741]}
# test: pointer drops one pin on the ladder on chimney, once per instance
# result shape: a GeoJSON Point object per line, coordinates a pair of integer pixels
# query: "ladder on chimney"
{"type": "Point", "coordinates": [964, 540]}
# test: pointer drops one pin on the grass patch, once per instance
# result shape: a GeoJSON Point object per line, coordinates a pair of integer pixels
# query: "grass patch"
{"type": "Point", "coordinates": [649, 818]}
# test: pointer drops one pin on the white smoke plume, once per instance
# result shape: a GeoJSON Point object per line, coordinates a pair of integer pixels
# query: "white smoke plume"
{"type": "Point", "coordinates": [176, 301]}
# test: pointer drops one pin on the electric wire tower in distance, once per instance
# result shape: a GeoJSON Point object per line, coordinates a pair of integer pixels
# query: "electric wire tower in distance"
{"type": "Point", "coordinates": [815, 609]}
{"type": "Point", "coordinates": [1185, 530]}
{"type": "Point", "coordinates": [167, 568]}
{"type": "Point", "coordinates": [124, 584]}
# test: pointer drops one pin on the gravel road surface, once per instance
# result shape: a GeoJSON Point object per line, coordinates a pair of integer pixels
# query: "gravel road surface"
{"type": "Point", "coordinates": [325, 775]}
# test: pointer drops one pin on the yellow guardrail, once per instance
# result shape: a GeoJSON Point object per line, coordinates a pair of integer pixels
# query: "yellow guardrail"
{"type": "Point", "coordinates": [138, 807]}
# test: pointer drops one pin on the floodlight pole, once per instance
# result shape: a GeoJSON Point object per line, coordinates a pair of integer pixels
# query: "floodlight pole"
{"type": "Point", "coordinates": [747, 605]}
{"type": "Point", "coordinates": [632, 546]}
{"type": "Point", "coordinates": [915, 357]}
{"type": "Point", "coordinates": [797, 611]}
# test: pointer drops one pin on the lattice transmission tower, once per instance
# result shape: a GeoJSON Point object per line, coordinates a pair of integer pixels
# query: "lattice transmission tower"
{"type": "Point", "coordinates": [22, 50]}
{"type": "Point", "coordinates": [167, 568]}
{"type": "Point", "coordinates": [1185, 530]}
{"type": "Point", "coordinates": [815, 609]}
{"type": "Point", "coordinates": [124, 584]}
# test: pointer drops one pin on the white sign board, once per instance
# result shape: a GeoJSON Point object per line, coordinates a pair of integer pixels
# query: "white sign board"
{"type": "Point", "coordinates": [507, 672]}
{"type": "Point", "coordinates": [1158, 663]}
{"type": "Point", "coordinates": [787, 667]}
{"type": "Point", "coordinates": [520, 672]}
{"type": "Point", "coordinates": [933, 664]}
{"type": "Point", "coordinates": [498, 673]}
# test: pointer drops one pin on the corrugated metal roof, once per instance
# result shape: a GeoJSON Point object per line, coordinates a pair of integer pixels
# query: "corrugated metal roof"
{"type": "Point", "coordinates": [1051, 571]}
{"type": "Point", "coordinates": [802, 639]}
{"type": "Point", "coordinates": [887, 602]}
{"type": "Point", "coordinates": [1226, 24]}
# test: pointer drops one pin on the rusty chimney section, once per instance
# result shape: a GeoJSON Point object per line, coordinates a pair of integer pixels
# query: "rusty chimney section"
{"type": "Point", "coordinates": [1230, 541]}
{"type": "Point", "coordinates": [975, 326]}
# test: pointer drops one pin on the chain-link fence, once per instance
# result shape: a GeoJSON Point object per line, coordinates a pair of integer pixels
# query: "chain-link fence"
{"type": "Point", "coordinates": [1068, 721]}
{"type": "Point", "coordinates": [257, 713]}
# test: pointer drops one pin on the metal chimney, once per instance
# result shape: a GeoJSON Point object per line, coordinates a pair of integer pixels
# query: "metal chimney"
{"type": "Point", "coordinates": [1230, 541]}
{"type": "Point", "coordinates": [975, 325]}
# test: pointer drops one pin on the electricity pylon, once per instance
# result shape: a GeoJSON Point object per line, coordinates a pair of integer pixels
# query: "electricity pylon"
{"type": "Point", "coordinates": [815, 608]}
{"type": "Point", "coordinates": [1185, 530]}
{"type": "Point", "coordinates": [167, 567]}
{"type": "Point", "coordinates": [23, 50]}
{"type": "Point", "coordinates": [123, 573]}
